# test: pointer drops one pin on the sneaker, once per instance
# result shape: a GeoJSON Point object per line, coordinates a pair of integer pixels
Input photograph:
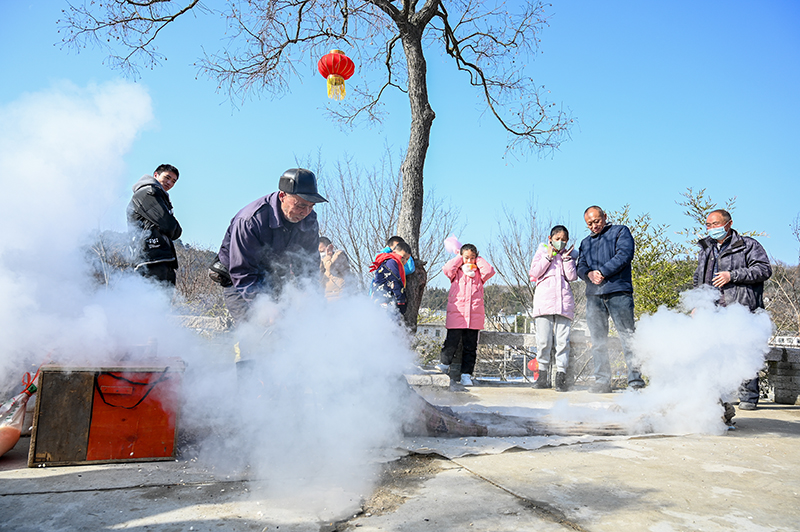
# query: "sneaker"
{"type": "Point", "coordinates": [635, 386]}
{"type": "Point", "coordinates": [561, 382]}
{"type": "Point", "coordinates": [444, 368]}
{"type": "Point", "coordinates": [466, 380]}
{"type": "Point", "coordinates": [600, 387]}
{"type": "Point", "coordinates": [743, 405]}
{"type": "Point", "coordinates": [543, 381]}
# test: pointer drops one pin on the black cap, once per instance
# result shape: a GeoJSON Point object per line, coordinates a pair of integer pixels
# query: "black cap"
{"type": "Point", "coordinates": [301, 182]}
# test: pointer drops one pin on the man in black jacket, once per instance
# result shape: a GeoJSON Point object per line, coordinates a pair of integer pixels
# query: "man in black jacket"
{"type": "Point", "coordinates": [153, 225]}
{"type": "Point", "coordinates": [737, 266]}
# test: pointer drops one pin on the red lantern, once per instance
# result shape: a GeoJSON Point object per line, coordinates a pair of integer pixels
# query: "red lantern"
{"type": "Point", "coordinates": [336, 67]}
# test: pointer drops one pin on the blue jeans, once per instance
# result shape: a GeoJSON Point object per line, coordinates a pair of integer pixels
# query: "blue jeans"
{"type": "Point", "coordinates": [619, 306]}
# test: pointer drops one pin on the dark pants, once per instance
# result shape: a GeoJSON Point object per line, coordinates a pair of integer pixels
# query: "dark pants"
{"type": "Point", "coordinates": [161, 272]}
{"type": "Point", "coordinates": [618, 306]}
{"type": "Point", "coordinates": [469, 339]}
{"type": "Point", "coordinates": [748, 391]}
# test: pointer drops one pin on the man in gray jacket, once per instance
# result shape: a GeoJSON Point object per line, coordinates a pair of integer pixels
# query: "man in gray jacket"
{"type": "Point", "coordinates": [737, 266]}
{"type": "Point", "coordinates": [153, 225]}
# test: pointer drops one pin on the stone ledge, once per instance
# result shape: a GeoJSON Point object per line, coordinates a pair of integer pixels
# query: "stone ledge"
{"type": "Point", "coordinates": [783, 354]}
{"type": "Point", "coordinates": [428, 379]}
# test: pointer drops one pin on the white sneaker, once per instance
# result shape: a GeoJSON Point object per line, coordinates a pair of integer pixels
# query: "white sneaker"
{"type": "Point", "coordinates": [444, 368]}
{"type": "Point", "coordinates": [466, 380]}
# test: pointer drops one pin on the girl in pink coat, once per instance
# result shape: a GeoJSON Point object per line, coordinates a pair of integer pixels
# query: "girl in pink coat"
{"type": "Point", "coordinates": [465, 313]}
{"type": "Point", "coordinates": [552, 269]}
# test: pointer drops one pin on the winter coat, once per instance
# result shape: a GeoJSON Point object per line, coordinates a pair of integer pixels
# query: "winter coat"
{"type": "Point", "coordinates": [552, 276]}
{"type": "Point", "coordinates": [152, 224]}
{"type": "Point", "coordinates": [745, 259]}
{"type": "Point", "coordinates": [336, 274]}
{"type": "Point", "coordinates": [465, 308]}
{"type": "Point", "coordinates": [611, 253]}
{"type": "Point", "coordinates": [388, 287]}
{"type": "Point", "coordinates": [261, 249]}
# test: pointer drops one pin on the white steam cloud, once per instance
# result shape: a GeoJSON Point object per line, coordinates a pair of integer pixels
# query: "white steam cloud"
{"type": "Point", "coordinates": [694, 357]}
{"type": "Point", "coordinates": [60, 167]}
{"type": "Point", "coordinates": [331, 394]}
{"type": "Point", "coordinates": [328, 397]}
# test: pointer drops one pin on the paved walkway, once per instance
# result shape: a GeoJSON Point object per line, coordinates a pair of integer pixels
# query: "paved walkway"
{"type": "Point", "coordinates": [747, 479]}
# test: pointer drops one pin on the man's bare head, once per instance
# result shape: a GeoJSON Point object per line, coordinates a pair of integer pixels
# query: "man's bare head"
{"type": "Point", "coordinates": [595, 219]}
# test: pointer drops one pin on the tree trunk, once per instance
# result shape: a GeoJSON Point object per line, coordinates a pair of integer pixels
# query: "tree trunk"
{"type": "Point", "coordinates": [412, 169]}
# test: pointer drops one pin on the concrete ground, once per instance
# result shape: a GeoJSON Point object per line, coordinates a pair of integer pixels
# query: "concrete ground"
{"type": "Point", "coordinates": [747, 479]}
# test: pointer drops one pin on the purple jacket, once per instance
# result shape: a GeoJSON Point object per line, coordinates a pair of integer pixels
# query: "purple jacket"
{"type": "Point", "coordinates": [261, 249]}
{"type": "Point", "coordinates": [553, 295]}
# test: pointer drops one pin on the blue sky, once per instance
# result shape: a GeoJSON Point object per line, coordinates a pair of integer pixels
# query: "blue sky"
{"type": "Point", "coordinates": [667, 95]}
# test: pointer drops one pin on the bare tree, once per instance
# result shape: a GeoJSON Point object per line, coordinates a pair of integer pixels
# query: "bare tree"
{"type": "Point", "coordinates": [782, 297]}
{"type": "Point", "coordinates": [197, 294]}
{"type": "Point", "coordinates": [108, 254]}
{"type": "Point", "coordinates": [492, 41]}
{"type": "Point", "coordinates": [512, 250]}
{"type": "Point", "coordinates": [364, 209]}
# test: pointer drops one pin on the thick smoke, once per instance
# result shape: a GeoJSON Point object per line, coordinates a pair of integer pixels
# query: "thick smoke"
{"type": "Point", "coordinates": [330, 393]}
{"type": "Point", "coordinates": [694, 357]}
{"type": "Point", "coordinates": [326, 397]}
{"type": "Point", "coordinates": [61, 167]}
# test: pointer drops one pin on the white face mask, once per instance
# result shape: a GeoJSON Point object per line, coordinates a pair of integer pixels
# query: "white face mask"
{"type": "Point", "coordinates": [717, 233]}
{"type": "Point", "coordinates": [322, 254]}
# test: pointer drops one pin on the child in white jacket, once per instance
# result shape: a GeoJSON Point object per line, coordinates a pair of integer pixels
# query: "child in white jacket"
{"type": "Point", "coordinates": [552, 269]}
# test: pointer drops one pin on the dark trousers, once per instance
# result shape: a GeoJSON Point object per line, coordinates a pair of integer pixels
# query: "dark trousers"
{"type": "Point", "coordinates": [469, 340]}
{"type": "Point", "coordinates": [748, 391]}
{"type": "Point", "coordinates": [618, 306]}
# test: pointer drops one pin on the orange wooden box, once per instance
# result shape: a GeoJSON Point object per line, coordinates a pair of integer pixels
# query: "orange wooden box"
{"type": "Point", "coordinates": [121, 412]}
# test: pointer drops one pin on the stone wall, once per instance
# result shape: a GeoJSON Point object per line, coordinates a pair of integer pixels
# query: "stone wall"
{"type": "Point", "coordinates": [783, 366]}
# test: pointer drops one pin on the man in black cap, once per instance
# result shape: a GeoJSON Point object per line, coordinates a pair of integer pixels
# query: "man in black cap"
{"type": "Point", "coordinates": [272, 240]}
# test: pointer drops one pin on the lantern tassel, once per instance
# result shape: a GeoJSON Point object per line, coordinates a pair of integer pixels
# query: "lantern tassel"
{"type": "Point", "coordinates": [336, 89]}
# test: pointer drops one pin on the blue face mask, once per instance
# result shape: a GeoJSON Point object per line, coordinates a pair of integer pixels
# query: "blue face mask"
{"type": "Point", "coordinates": [717, 233]}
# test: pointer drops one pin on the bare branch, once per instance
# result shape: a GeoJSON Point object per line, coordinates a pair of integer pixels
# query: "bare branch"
{"type": "Point", "coordinates": [132, 25]}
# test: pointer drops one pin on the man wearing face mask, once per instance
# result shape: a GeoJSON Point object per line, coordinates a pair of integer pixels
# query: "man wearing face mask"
{"type": "Point", "coordinates": [737, 266]}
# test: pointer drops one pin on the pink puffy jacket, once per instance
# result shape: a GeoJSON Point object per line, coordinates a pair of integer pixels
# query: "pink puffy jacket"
{"type": "Point", "coordinates": [465, 301]}
{"type": "Point", "coordinates": [553, 294]}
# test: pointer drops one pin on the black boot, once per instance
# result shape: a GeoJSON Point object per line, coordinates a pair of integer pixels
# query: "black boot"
{"type": "Point", "coordinates": [543, 381]}
{"type": "Point", "coordinates": [561, 382]}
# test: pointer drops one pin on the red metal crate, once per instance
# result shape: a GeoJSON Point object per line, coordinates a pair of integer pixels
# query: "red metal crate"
{"type": "Point", "coordinates": [114, 413]}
